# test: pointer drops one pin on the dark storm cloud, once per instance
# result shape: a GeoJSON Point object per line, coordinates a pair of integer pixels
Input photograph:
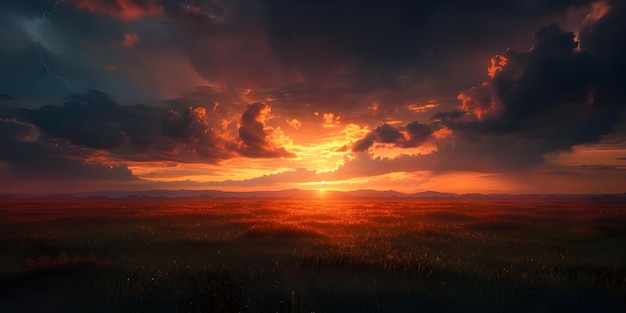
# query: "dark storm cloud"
{"type": "Point", "coordinates": [255, 136]}
{"type": "Point", "coordinates": [411, 135]}
{"type": "Point", "coordinates": [32, 155]}
{"type": "Point", "coordinates": [5, 97]}
{"type": "Point", "coordinates": [381, 41]}
{"type": "Point", "coordinates": [192, 133]}
{"type": "Point", "coordinates": [417, 134]}
{"type": "Point", "coordinates": [547, 99]}
{"type": "Point", "coordinates": [268, 45]}
{"type": "Point", "coordinates": [383, 134]}
{"type": "Point", "coordinates": [387, 134]}
{"type": "Point", "coordinates": [94, 120]}
{"type": "Point", "coordinates": [188, 125]}
{"type": "Point", "coordinates": [372, 45]}
{"type": "Point", "coordinates": [382, 49]}
{"type": "Point", "coordinates": [12, 130]}
{"type": "Point", "coordinates": [605, 40]}
{"type": "Point", "coordinates": [364, 143]}
{"type": "Point", "coordinates": [446, 117]}
{"type": "Point", "coordinates": [179, 132]}
{"type": "Point", "coordinates": [551, 76]}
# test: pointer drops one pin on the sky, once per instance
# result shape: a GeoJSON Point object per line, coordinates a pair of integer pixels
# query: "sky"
{"type": "Point", "coordinates": [241, 95]}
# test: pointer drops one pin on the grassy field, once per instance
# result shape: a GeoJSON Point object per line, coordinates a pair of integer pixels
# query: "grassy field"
{"type": "Point", "coordinates": [311, 256]}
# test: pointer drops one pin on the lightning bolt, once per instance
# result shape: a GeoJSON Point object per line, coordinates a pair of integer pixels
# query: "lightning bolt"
{"type": "Point", "coordinates": [35, 41]}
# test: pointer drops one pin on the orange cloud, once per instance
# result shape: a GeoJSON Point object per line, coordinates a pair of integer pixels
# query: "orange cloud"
{"type": "Point", "coordinates": [129, 40]}
{"type": "Point", "coordinates": [478, 100]}
{"type": "Point", "coordinates": [442, 133]}
{"type": "Point", "coordinates": [294, 123]}
{"type": "Point", "coordinates": [421, 108]}
{"type": "Point", "coordinates": [598, 10]}
{"type": "Point", "coordinates": [497, 64]}
{"type": "Point", "coordinates": [121, 9]}
{"type": "Point", "coordinates": [330, 120]}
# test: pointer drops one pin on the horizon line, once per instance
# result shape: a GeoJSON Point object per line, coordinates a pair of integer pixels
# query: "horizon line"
{"type": "Point", "coordinates": [197, 193]}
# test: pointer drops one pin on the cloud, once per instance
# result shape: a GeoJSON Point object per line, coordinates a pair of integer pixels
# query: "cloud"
{"type": "Point", "coordinates": [179, 132]}
{"type": "Point", "coordinates": [364, 143]}
{"type": "Point", "coordinates": [13, 130]}
{"type": "Point", "coordinates": [254, 135]}
{"type": "Point", "coordinates": [330, 120]}
{"type": "Point", "coordinates": [298, 175]}
{"type": "Point", "coordinates": [523, 84]}
{"type": "Point", "coordinates": [604, 39]}
{"type": "Point", "coordinates": [121, 9]}
{"type": "Point", "coordinates": [32, 155]}
{"type": "Point", "coordinates": [552, 97]}
{"type": "Point", "coordinates": [546, 99]}
{"type": "Point", "coordinates": [5, 96]}
{"type": "Point", "coordinates": [129, 40]}
{"type": "Point", "coordinates": [190, 128]}
{"type": "Point", "coordinates": [400, 40]}
{"type": "Point", "coordinates": [599, 9]}
{"type": "Point", "coordinates": [187, 125]}
{"type": "Point", "coordinates": [398, 62]}
{"type": "Point", "coordinates": [421, 108]}
{"type": "Point", "coordinates": [412, 135]}
{"type": "Point", "coordinates": [364, 165]}
{"type": "Point", "coordinates": [92, 126]}
{"type": "Point", "coordinates": [417, 134]}
{"type": "Point", "coordinates": [295, 123]}
{"type": "Point", "coordinates": [91, 119]}
{"type": "Point", "coordinates": [478, 100]}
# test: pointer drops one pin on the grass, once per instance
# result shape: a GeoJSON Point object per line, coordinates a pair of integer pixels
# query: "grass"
{"type": "Point", "coordinates": [285, 256]}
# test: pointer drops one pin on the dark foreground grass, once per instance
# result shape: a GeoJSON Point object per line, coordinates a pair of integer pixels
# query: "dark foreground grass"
{"type": "Point", "coordinates": [286, 256]}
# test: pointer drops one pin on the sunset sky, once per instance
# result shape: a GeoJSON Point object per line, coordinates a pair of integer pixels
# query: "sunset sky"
{"type": "Point", "coordinates": [452, 96]}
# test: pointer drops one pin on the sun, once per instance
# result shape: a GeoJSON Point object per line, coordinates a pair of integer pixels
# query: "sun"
{"type": "Point", "coordinates": [321, 192]}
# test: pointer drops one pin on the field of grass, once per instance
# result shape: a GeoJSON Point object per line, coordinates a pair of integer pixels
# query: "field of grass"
{"type": "Point", "coordinates": [368, 255]}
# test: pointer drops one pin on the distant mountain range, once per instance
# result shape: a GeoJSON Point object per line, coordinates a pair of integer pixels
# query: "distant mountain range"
{"type": "Point", "coordinates": [315, 194]}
